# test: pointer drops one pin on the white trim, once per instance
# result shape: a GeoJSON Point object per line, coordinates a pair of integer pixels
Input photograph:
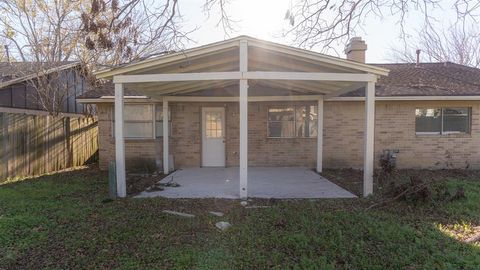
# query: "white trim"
{"type": "Point", "coordinates": [243, 104]}
{"type": "Point", "coordinates": [309, 76]}
{"type": "Point", "coordinates": [120, 142]}
{"type": "Point", "coordinates": [248, 75]}
{"type": "Point", "coordinates": [369, 139]}
{"type": "Point", "coordinates": [236, 99]}
{"type": "Point", "coordinates": [165, 137]}
{"type": "Point", "coordinates": [178, 77]}
{"type": "Point", "coordinates": [320, 135]}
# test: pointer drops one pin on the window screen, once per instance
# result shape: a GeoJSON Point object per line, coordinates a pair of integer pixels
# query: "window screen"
{"type": "Point", "coordinates": [442, 120]}
{"type": "Point", "coordinates": [295, 121]}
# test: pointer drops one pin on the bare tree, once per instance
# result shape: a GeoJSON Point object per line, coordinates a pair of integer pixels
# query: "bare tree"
{"type": "Point", "coordinates": [38, 34]}
{"type": "Point", "coordinates": [47, 33]}
{"type": "Point", "coordinates": [116, 32]}
{"type": "Point", "coordinates": [456, 44]}
{"type": "Point", "coordinates": [328, 22]}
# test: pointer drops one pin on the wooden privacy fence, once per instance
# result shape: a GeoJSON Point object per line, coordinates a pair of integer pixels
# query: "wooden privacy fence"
{"type": "Point", "coordinates": [37, 144]}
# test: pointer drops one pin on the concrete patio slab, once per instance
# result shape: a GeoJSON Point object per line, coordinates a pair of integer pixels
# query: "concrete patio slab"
{"type": "Point", "coordinates": [270, 182]}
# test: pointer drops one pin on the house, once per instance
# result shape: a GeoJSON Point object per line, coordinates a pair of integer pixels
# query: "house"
{"type": "Point", "coordinates": [245, 102]}
{"type": "Point", "coordinates": [32, 140]}
{"type": "Point", "coordinates": [17, 90]}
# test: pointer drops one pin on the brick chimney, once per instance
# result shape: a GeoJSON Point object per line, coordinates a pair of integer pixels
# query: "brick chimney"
{"type": "Point", "coordinates": [355, 49]}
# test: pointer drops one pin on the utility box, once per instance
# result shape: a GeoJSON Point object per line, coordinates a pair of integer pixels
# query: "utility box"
{"type": "Point", "coordinates": [112, 180]}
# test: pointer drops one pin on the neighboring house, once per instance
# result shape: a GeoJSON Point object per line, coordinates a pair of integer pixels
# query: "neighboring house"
{"type": "Point", "coordinates": [17, 90]}
{"type": "Point", "coordinates": [32, 141]}
{"type": "Point", "coordinates": [427, 113]}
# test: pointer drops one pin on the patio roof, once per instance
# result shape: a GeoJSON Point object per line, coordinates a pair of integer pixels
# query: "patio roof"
{"type": "Point", "coordinates": [244, 63]}
{"type": "Point", "coordinates": [222, 58]}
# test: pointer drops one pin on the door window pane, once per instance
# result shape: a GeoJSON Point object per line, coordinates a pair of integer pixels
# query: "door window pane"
{"type": "Point", "coordinates": [213, 125]}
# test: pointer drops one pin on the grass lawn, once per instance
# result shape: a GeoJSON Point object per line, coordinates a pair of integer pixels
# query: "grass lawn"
{"type": "Point", "coordinates": [62, 221]}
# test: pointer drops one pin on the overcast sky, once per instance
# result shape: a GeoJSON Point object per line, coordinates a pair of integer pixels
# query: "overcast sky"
{"type": "Point", "coordinates": [264, 19]}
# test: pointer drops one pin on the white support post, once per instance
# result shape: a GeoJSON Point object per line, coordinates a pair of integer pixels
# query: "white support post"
{"type": "Point", "coordinates": [119, 142]}
{"type": "Point", "coordinates": [165, 136]}
{"type": "Point", "coordinates": [368, 159]}
{"type": "Point", "coordinates": [243, 103]}
{"type": "Point", "coordinates": [320, 135]}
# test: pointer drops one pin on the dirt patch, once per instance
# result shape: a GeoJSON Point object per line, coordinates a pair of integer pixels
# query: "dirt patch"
{"type": "Point", "coordinates": [349, 179]}
{"type": "Point", "coordinates": [139, 183]}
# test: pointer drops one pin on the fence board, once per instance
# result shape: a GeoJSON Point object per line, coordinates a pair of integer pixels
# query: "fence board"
{"type": "Point", "coordinates": [37, 144]}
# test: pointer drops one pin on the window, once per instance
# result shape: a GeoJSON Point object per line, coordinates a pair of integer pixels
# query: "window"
{"type": "Point", "coordinates": [442, 120]}
{"type": "Point", "coordinates": [294, 121]}
{"type": "Point", "coordinates": [159, 121]}
{"type": "Point", "coordinates": [140, 120]}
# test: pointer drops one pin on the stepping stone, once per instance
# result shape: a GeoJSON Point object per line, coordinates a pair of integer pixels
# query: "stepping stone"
{"type": "Point", "coordinates": [218, 214]}
{"type": "Point", "coordinates": [223, 225]}
{"type": "Point", "coordinates": [257, 206]}
{"type": "Point", "coordinates": [178, 213]}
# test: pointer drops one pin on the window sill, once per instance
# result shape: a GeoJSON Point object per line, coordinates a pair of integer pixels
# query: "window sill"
{"type": "Point", "coordinates": [444, 135]}
{"type": "Point", "coordinates": [289, 138]}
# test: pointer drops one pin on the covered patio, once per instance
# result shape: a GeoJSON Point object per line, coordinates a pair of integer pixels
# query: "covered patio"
{"type": "Point", "coordinates": [245, 70]}
{"type": "Point", "coordinates": [264, 182]}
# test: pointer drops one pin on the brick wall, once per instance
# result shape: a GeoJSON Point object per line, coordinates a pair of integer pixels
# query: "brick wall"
{"type": "Point", "coordinates": [343, 137]}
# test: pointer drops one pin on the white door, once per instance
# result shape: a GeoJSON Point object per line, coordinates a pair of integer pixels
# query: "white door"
{"type": "Point", "coordinates": [213, 137]}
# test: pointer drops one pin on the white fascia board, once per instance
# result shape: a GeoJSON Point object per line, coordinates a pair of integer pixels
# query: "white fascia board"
{"type": "Point", "coordinates": [178, 77]}
{"type": "Point", "coordinates": [309, 76]}
{"type": "Point", "coordinates": [249, 75]}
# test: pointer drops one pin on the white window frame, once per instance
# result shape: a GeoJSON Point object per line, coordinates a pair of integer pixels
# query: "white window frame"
{"type": "Point", "coordinates": [441, 132]}
{"type": "Point", "coordinates": [294, 121]}
{"type": "Point", "coordinates": [153, 122]}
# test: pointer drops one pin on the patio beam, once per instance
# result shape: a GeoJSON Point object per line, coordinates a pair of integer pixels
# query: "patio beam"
{"type": "Point", "coordinates": [236, 99]}
{"type": "Point", "coordinates": [243, 104]}
{"type": "Point", "coordinates": [119, 142]}
{"type": "Point", "coordinates": [369, 135]}
{"type": "Point", "coordinates": [178, 77]}
{"type": "Point", "coordinates": [320, 135]}
{"type": "Point", "coordinates": [245, 75]}
{"type": "Point", "coordinates": [165, 137]}
{"type": "Point", "coordinates": [308, 76]}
